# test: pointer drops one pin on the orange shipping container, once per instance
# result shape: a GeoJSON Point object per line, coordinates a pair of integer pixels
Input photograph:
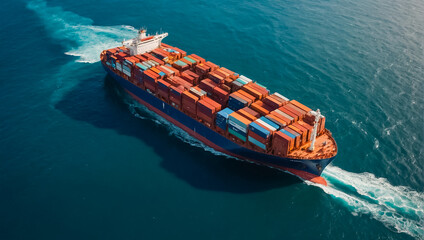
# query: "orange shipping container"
{"type": "Point", "coordinates": [213, 66]}
{"type": "Point", "coordinates": [247, 95]}
{"type": "Point", "coordinates": [257, 106]}
{"type": "Point", "coordinates": [200, 59]}
{"type": "Point", "coordinates": [300, 132]}
{"type": "Point", "coordinates": [282, 144]}
{"type": "Point", "coordinates": [247, 115]}
{"type": "Point", "coordinates": [289, 112]}
{"type": "Point", "coordinates": [252, 112]}
{"type": "Point", "coordinates": [253, 92]}
{"type": "Point", "coordinates": [285, 119]}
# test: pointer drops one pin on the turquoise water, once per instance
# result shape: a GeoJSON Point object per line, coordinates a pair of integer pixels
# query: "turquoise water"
{"type": "Point", "coordinates": [80, 160]}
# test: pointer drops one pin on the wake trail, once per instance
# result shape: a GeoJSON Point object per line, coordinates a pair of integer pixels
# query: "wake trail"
{"type": "Point", "coordinates": [80, 38]}
{"type": "Point", "coordinates": [399, 208]}
{"type": "Point", "coordinates": [78, 34]}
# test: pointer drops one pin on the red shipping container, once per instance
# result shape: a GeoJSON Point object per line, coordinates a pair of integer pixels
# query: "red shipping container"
{"type": "Point", "coordinates": [252, 112]}
{"type": "Point", "coordinates": [216, 105]}
{"type": "Point", "coordinates": [163, 89]}
{"type": "Point", "coordinates": [277, 120]}
{"type": "Point", "coordinates": [189, 101]}
{"type": "Point", "coordinates": [296, 110]}
{"type": "Point", "coordinates": [194, 75]}
{"type": "Point", "coordinates": [225, 88]}
{"type": "Point", "coordinates": [140, 58]}
{"type": "Point", "coordinates": [247, 115]}
{"type": "Point", "coordinates": [220, 95]}
{"type": "Point", "coordinates": [213, 66]}
{"type": "Point", "coordinates": [298, 138]}
{"type": "Point", "coordinates": [260, 139]}
{"type": "Point", "coordinates": [187, 77]}
{"type": "Point", "coordinates": [247, 99]}
{"type": "Point", "coordinates": [175, 96]}
{"type": "Point", "coordinates": [232, 74]}
{"type": "Point", "coordinates": [321, 125]}
{"type": "Point", "coordinates": [247, 95]}
{"type": "Point", "coordinates": [202, 69]}
{"type": "Point", "coordinates": [202, 60]}
{"type": "Point", "coordinates": [197, 92]}
{"type": "Point", "coordinates": [290, 112]}
{"type": "Point", "coordinates": [300, 132]}
{"type": "Point", "coordinates": [203, 106]}
{"type": "Point", "coordinates": [260, 89]}
{"type": "Point", "coordinates": [304, 129]}
{"type": "Point", "coordinates": [176, 71]}
{"type": "Point", "coordinates": [307, 126]}
{"type": "Point", "coordinates": [216, 78]}
{"type": "Point", "coordinates": [150, 87]}
{"type": "Point", "coordinates": [207, 85]}
{"type": "Point", "coordinates": [257, 106]}
{"type": "Point", "coordinates": [258, 95]}
{"type": "Point", "coordinates": [282, 144]}
{"type": "Point", "coordinates": [272, 102]}
{"type": "Point", "coordinates": [283, 118]}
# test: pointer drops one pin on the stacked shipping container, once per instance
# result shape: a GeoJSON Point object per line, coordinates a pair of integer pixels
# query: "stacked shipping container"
{"type": "Point", "coordinates": [250, 115]}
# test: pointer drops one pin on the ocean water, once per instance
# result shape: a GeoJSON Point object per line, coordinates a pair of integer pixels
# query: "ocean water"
{"type": "Point", "coordinates": [80, 160]}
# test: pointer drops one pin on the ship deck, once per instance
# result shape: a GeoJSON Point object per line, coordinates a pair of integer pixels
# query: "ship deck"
{"type": "Point", "coordinates": [325, 147]}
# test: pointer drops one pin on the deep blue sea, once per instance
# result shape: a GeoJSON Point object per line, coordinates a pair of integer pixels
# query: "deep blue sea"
{"type": "Point", "coordinates": [80, 160]}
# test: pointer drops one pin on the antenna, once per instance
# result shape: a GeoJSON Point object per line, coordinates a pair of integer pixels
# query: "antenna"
{"type": "Point", "coordinates": [318, 116]}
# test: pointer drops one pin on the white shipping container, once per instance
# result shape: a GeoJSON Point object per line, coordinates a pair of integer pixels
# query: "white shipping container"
{"type": "Point", "coordinates": [266, 124]}
{"type": "Point", "coordinates": [127, 73]}
{"type": "Point", "coordinates": [281, 96]}
{"type": "Point", "coordinates": [235, 125]}
{"type": "Point", "coordinates": [119, 67]}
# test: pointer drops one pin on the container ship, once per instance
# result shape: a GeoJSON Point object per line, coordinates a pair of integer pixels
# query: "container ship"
{"type": "Point", "coordinates": [227, 111]}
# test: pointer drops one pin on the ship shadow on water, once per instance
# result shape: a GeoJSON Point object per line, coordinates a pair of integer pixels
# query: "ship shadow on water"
{"type": "Point", "coordinates": [104, 105]}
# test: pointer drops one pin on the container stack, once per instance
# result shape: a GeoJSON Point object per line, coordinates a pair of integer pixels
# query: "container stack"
{"type": "Point", "coordinates": [237, 127]}
{"type": "Point", "coordinates": [208, 86]}
{"type": "Point", "coordinates": [283, 142]}
{"type": "Point", "coordinates": [220, 95]}
{"type": "Point", "coordinates": [189, 102]}
{"type": "Point", "coordinates": [222, 120]}
{"type": "Point", "coordinates": [206, 110]}
{"type": "Point", "coordinates": [259, 136]}
{"type": "Point", "coordinates": [150, 81]}
{"type": "Point", "coordinates": [240, 99]}
{"type": "Point", "coordinates": [251, 115]}
{"type": "Point", "coordinates": [175, 95]}
{"type": "Point", "coordinates": [163, 90]}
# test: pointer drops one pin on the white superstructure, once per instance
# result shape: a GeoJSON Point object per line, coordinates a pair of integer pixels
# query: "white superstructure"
{"type": "Point", "coordinates": [144, 43]}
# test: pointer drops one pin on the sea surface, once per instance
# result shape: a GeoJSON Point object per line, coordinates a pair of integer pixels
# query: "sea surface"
{"type": "Point", "coordinates": [80, 160]}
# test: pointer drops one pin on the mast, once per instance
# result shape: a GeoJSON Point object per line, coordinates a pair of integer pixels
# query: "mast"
{"type": "Point", "coordinates": [318, 116]}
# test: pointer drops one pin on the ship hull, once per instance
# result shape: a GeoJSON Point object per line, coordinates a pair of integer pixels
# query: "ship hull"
{"type": "Point", "coordinates": [305, 168]}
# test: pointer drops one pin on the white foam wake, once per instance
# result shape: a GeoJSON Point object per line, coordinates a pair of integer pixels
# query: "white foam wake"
{"type": "Point", "coordinates": [399, 208]}
{"type": "Point", "coordinates": [78, 34]}
{"type": "Point", "coordinates": [172, 129]}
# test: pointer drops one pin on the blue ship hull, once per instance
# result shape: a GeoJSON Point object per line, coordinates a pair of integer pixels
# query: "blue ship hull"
{"type": "Point", "coordinates": [300, 167]}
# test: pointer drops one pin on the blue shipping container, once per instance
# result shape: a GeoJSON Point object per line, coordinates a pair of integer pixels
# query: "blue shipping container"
{"type": "Point", "coordinates": [271, 123]}
{"type": "Point", "coordinates": [287, 133]}
{"type": "Point", "coordinates": [262, 132]}
{"type": "Point", "coordinates": [257, 143]}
